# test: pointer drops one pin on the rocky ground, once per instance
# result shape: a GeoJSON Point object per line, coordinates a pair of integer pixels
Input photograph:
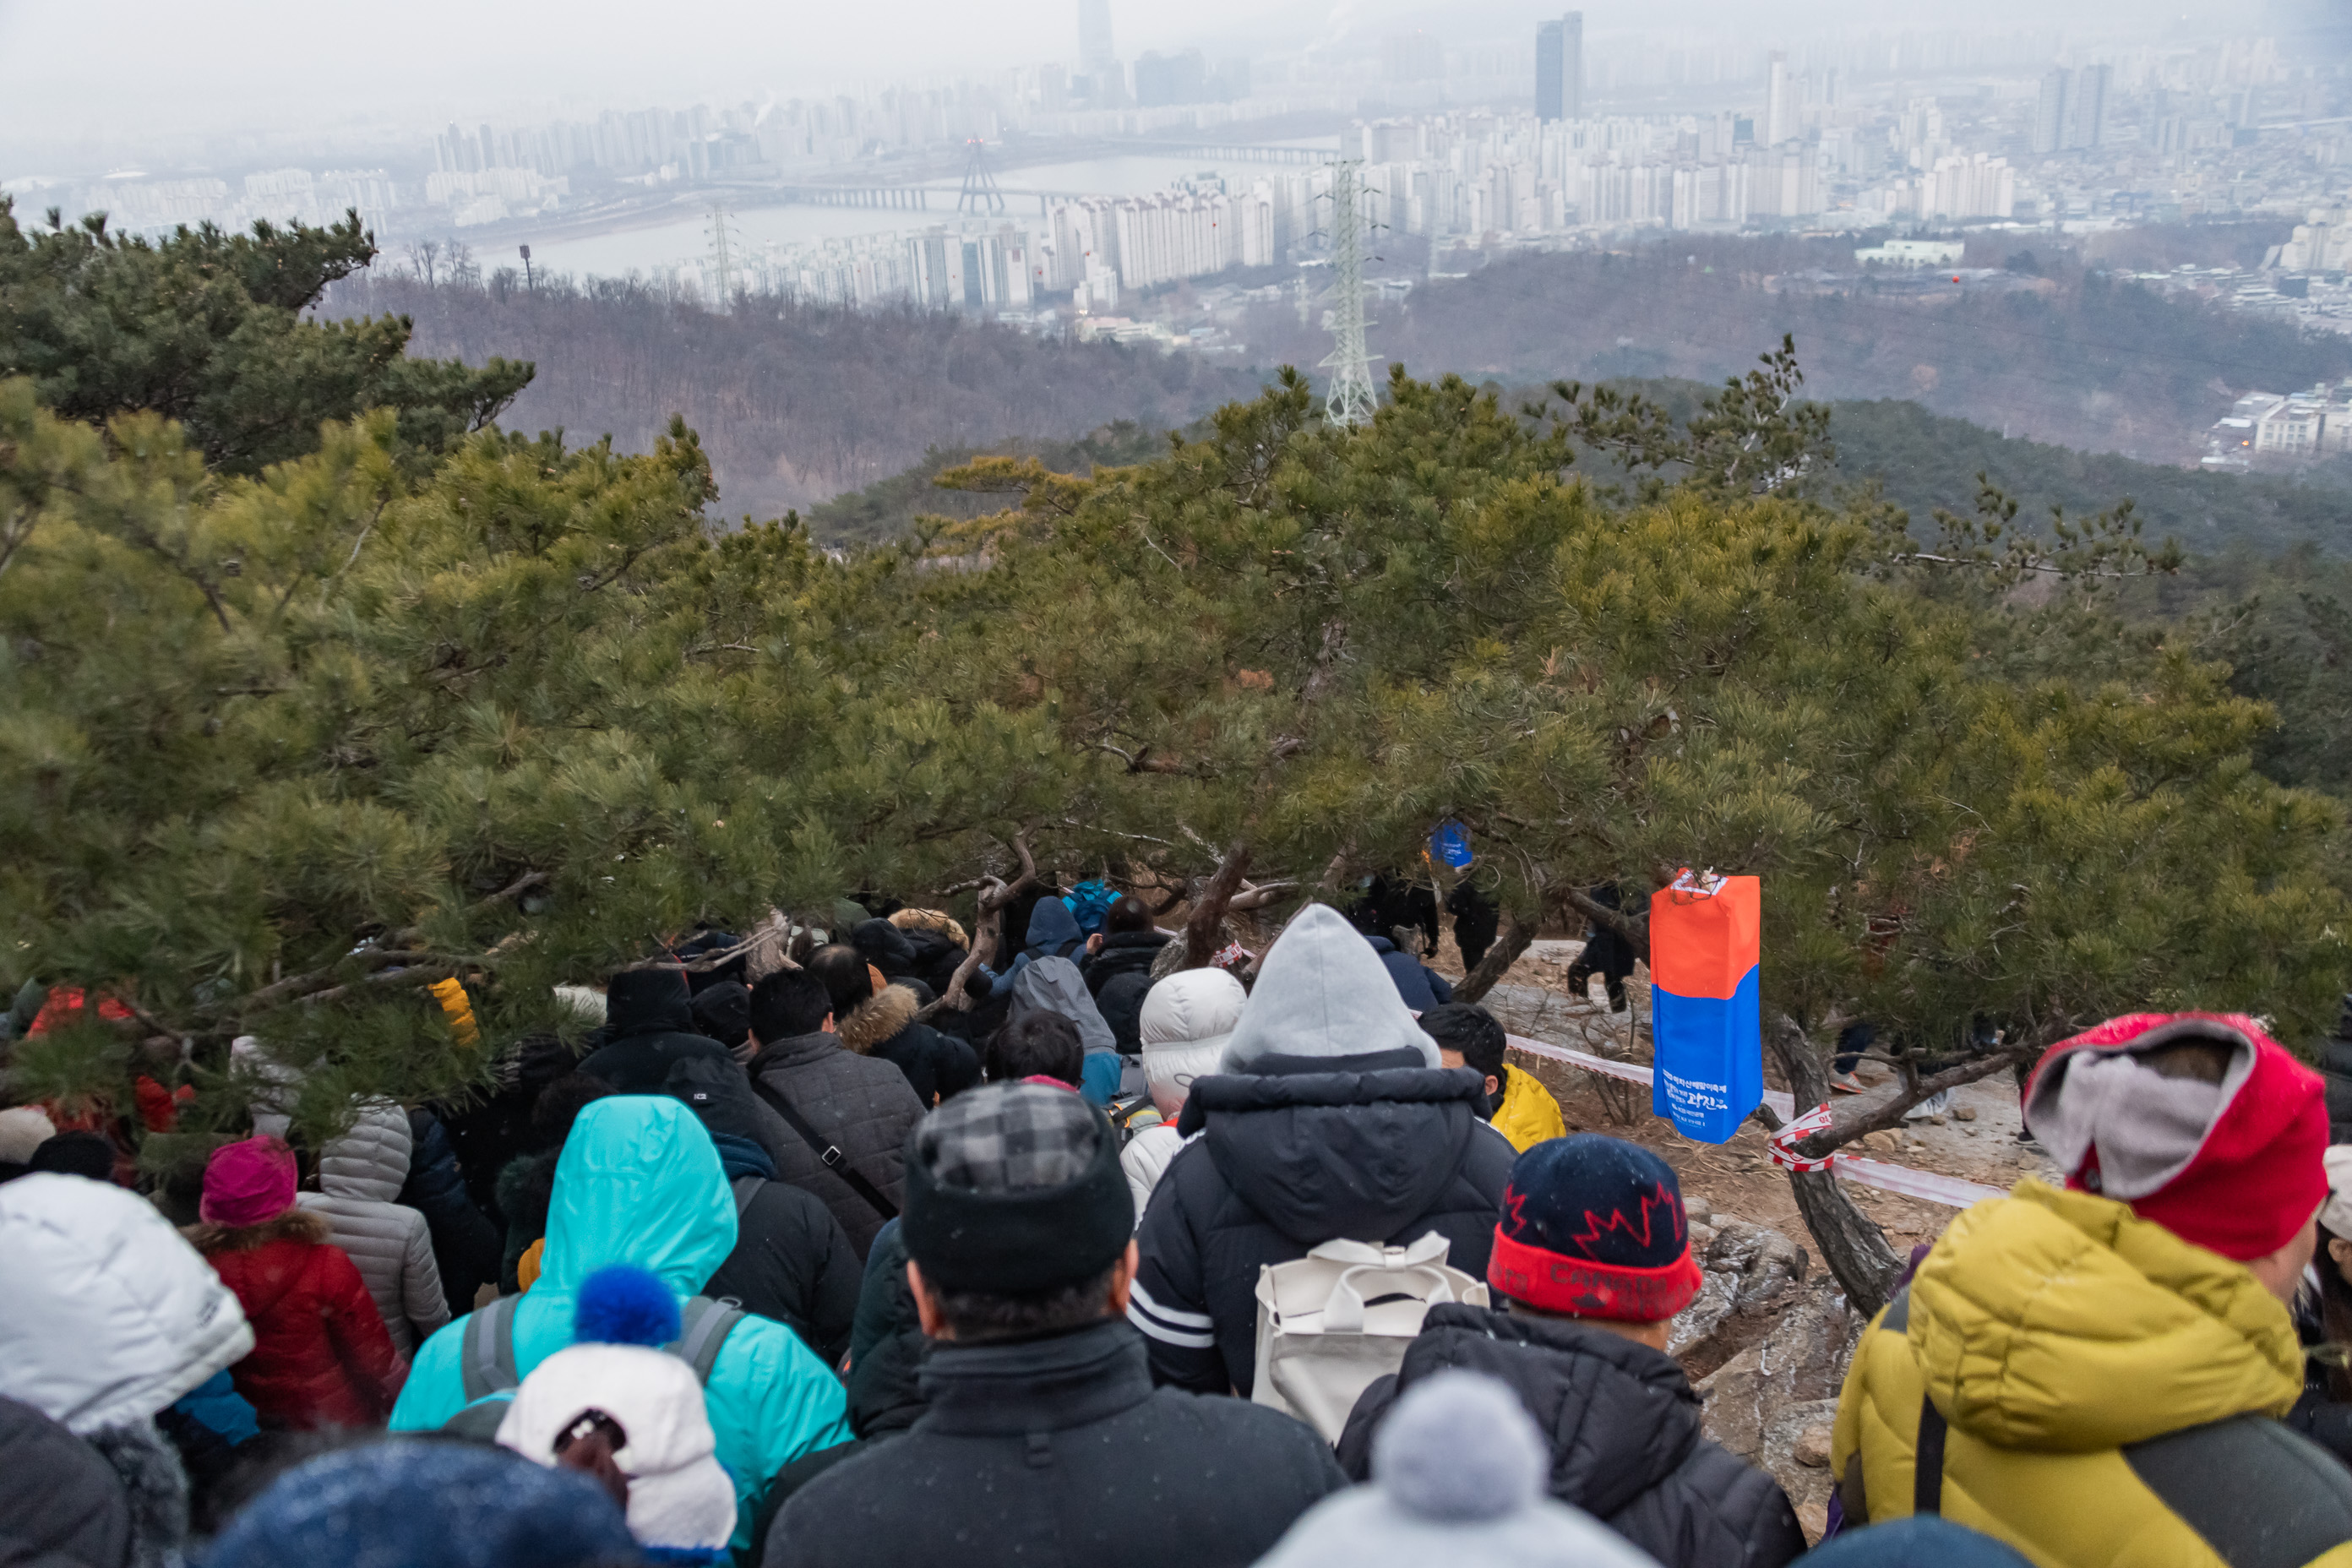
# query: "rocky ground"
{"type": "Point", "coordinates": [1769, 1338]}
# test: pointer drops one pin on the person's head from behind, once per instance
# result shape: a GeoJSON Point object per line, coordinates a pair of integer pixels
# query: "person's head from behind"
{"type": "Point", "coordinates": [558, 1105]}
{"type": "Point", "coordinates": [722, 1011]}
{"type": "Point", "coordinates": [842, 970]}
{"type": "Point", "coordinates": [2202, 1124]}
{"type": "Point", "coordinates": [1018, 1220]}
{"type": "Point", "coordinates": [423, 1502]}
{"type": "Point", "coordinates": [1037, 1044]}
{"type": "Point", "coordinates": [1467, 1035]}
{"type": "Point", "coordinates": [788, 1004]}
{"type": "Point", "coordinates": [1593, 1228]}
{"type": "Point", "coordinates": [1186, 1022]}
{"type": "Point", "coordinates": [1127, 916]}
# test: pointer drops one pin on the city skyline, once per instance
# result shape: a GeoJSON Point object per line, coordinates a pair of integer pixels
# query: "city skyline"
{"type": "Point", "coordinates": [247, 68]}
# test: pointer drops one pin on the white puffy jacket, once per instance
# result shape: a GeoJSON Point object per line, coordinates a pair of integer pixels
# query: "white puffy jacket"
{"type": "Point", "coordinates": [359, 1174]}
{"type": "Point", "coordinates": [107, 1315]}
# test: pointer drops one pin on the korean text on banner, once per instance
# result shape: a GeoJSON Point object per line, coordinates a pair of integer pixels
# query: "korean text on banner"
{"type": "Point", "coordinates": [1707, 1017]}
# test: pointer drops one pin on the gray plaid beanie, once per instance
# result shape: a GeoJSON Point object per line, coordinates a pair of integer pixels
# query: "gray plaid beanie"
{"type": "Point", "coordinates": [1014, 1189]}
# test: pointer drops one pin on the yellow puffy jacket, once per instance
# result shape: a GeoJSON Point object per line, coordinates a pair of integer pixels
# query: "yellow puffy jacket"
{"type": "Point", "coordinates": [1528, 1113]}
{"type": "Point", "coordinates": [2104, 1393]}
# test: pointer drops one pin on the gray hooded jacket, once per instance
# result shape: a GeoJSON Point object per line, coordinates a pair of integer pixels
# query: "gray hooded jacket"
{"type": "Point", "coordinates": [1331, 1119]}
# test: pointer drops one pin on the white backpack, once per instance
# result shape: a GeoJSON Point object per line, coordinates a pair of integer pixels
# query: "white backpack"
{"type": "Point", "coordinates": [1336, 1320]}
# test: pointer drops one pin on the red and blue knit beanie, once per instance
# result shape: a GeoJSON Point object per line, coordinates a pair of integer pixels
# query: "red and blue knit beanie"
{"type": "Point", "coordinates": [1594, 1228]}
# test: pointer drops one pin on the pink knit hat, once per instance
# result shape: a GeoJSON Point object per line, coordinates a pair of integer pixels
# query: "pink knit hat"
{"type": "Point", "coordinates": [248, 1183]}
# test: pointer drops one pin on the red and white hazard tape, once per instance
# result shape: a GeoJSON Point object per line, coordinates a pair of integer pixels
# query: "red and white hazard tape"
{"type": "Point", "coordinates": [1785, 1141]}
{"type": "Point", "coordinates": [1926, 1185]}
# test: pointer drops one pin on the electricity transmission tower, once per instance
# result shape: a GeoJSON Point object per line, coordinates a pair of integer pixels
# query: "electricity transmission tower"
{"type": "Point", "coordinates": [979, 193]}
{"type": "Point", "coordinates": [722, 257]}
{"type": "Point", "coordinates": [1350, 399]}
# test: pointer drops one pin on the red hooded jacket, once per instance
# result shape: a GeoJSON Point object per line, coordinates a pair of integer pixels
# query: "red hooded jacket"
{"type": "Point", "coordinates": [321, 1354]}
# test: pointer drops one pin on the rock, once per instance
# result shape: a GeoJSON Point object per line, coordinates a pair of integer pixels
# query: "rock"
{"type": "Point", "coordinates": [1812, 1447]}
{"type": "Point", "coordinates": [1800, 1362]}
{"type": "Point", "coordinates": [1796, 1454]}
{"type": "Point", "coordinates": [1718, 1295]}
{"type": "Point", "coordinates": [1702, 1237]}
{"type": "Point", "coordinates": [1697, 1210]}
{"type": "Point", "coordinates": [1964, 1113]}
{"type": "Point", "coordinates": [1939, 1119]}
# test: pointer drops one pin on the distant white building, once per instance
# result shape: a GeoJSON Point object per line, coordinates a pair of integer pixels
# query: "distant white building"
{"type": "Point", "coordinates": [2322, 245]}
{"type": "Point", "coordinates": [1913, 253]}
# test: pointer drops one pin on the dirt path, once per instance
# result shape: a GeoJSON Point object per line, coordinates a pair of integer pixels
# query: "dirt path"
{"type": "Point", "coordinates": [1976, 1139]}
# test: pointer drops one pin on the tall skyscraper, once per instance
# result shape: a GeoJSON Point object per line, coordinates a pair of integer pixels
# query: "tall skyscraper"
{"type": "Point", "coordinates": [2051, 116]}
{"type": "Point", "coordinates": [1780, 102]}
{"type": "Point", "coordinates": [2073, 109]}
{"type": "Point", "coordinates": [2090, 115]}
{"type": "Point", "coordinates": [1095, 51]}
{"type": "Point", "coordinates": [1560, 68]}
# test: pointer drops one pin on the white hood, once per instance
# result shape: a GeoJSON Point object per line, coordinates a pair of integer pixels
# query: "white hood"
{"type": "Point", "coordinates": [1323, 992]}
{"type": "Point", "coordinates": [679, 1496]}
{"type": "Point", "coordinates": [108, 1315]}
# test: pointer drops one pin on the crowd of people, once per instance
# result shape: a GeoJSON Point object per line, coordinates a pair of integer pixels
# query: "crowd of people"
{"type": "Point", "coordinates": [860, 1255]}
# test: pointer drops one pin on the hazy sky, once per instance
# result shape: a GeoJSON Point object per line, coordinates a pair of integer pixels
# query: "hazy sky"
{"type": "Point", "coordinates": [153, 68]}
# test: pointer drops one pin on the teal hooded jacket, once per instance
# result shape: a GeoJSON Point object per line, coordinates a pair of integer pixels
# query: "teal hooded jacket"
{"type": "Point", "coordinates": [639, 1182]}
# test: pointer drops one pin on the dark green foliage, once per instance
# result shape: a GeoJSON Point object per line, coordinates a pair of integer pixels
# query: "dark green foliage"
{"type": "Point", "coordinates": [206, 328]}
{"type": "Point", "coordinates": [1923, 460]}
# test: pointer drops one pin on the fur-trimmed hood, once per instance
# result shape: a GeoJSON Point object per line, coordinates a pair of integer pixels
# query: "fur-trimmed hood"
{"type": "Point", "coordinates": [294, 1225]}
{"type": "Point", "coordinates": [878, 1019]}
{"type": "Point", "coordinates": [939, 922]}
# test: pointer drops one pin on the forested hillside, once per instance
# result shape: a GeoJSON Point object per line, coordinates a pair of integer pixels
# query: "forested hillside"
{"type": "Point", "coordinates": [1920, 460]}
{"type": "Point", "coordinates": [793, 404]}
{"type": "Point", "coordinates": [1925, 460]}
{"type": "Point", "coordinates": [2053, 353]}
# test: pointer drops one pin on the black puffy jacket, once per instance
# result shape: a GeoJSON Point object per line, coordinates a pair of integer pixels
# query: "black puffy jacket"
{"type": "Point", "coordinates": [465, 1245]}
{"type": "Point", "coordinates": [1624, 1426]}
{"type": "Point", "coordinates": [1058, 1453]}
{"type": "Point", "coordinates": [792, 1262]}
{"type": "Point", "coordinates": [648, 1027]}
{"type": "Point", "coordinates": [1301, 1150]}
{"type": "Point", "coordinates": [1119, 978]}
{"type": "Point", "coordinates": [937, 1066]}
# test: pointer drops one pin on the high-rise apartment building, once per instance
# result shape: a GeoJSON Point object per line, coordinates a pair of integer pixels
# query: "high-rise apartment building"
{"type": "Point", "coordinates": [2052, 113]}
{"type": "Point", "coordinates": [1560, 68]}
{"type": "Point", "coordinates": [2090, 117]}
{"type": "Point", "coordinates": [1779, 102]}
{"type": "Point", "coordinates": [2073, 108]}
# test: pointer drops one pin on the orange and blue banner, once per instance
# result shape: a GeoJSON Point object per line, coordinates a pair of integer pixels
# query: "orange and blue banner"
{"type": "Point", "coordinates": [1706, 1010]}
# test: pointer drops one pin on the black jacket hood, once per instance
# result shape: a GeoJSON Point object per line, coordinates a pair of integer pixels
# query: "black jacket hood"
{"type": "Point", "coordinates": [1336, 1146]}
{"type": "Point", "coordinates": [647, 1002]}
{"type": "Point", "coordinates": [1620, 1418]}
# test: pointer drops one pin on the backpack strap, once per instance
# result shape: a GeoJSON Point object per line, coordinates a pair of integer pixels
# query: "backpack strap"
{"type": "Point", "coordinates": [746, 1189]}
{"type": "Point", "coordinates": [828, 1153]}
{"type": "Point", "coordinates": [486, 1353]}
{"type": "Point", "coordinates": [1928, 1461]}
{"type": "Point", "coordinates": [703, 1326]}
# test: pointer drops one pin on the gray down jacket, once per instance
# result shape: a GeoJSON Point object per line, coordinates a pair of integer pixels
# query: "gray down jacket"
{"type": "Point", "coordinates": [359, 1174]}
{"type": "Point", "coordinates": [862, 1106]}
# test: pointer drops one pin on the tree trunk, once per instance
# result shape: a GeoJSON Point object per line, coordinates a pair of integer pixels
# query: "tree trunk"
{"type": "Point", "coordinates": [1208, 916]}
{"type": "Point", "coordinates": [1510, 941]}
{"type": "Point", "coordinates": [1851, 1242]}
